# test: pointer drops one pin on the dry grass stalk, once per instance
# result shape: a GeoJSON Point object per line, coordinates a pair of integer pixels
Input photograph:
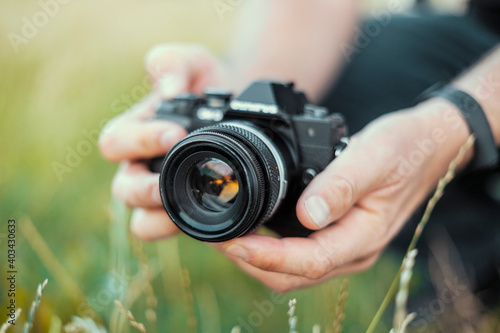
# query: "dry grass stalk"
{"type": "Point", "coordinates": [34, 306]}
{"type": "Point", "coordinates": [50, 261]}
{"type": "Point", "coordinates": [192, 323]}
{"type": "Point", "coordinates": [340, 309]}
{"type": "Point", "coordinates": [6, 325]}
{"type": "Point", "coordinates": [139, 326]}
{"type": "Point", "coordinates": [401, 317]}
{"type": "Point", "coordinates": [151, 300]}
{"type": "Point", "coordinates": [438, 193]}
{"type": "Point", "coordinates": [292, 319]}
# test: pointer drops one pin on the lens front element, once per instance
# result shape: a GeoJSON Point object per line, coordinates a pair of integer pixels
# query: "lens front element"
{"type": "Point", "coordinates": [214, 185]}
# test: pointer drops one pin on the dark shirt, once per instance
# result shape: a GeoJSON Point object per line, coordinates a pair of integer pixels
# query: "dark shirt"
{"type": "Point", "coordinates": [486, 11]}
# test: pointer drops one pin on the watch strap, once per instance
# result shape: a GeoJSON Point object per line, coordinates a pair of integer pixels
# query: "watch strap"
{"type": "Point", "coordinates": [486, 152]}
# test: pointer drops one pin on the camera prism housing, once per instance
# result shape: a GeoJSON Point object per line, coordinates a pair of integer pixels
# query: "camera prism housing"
{"type": "Point", "coordinates": [246, 160]}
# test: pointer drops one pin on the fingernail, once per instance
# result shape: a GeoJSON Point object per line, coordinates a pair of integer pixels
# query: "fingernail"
{"type": "Point", "coordinates": [237, 251]}
{"type": "Point", "coordinates": [318, 210]}
{"type": "Point", "coordinates": [169, 138]}
{"type": "Point", "coordinates": [170, 85]}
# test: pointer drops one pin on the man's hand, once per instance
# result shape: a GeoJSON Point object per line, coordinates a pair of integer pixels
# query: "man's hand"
{"type": "Point", "coordinates": [360, 201]}
{"type": "Point", "coordinates": [131, 137]}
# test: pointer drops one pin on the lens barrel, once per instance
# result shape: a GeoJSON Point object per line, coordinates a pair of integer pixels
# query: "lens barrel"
{"type": "Point", "coordinates": [222, 181]}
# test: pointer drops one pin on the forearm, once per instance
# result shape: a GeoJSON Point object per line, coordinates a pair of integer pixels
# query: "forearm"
{"type": "Point", "coordinates": [438, 115]}
{"type": "Point", "coordinates": [482, 82]}
{"type": "Point", "coordinates": [293, 40]}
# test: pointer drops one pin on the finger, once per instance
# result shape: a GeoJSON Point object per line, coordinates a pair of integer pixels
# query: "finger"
{"type": "Point", "coordinates": [354, 238]}
{"type": "Point", "coordinates": [136, 186]}
{"type": "Point", "coordinates": [152, 224]}
{"type": "Point", "coordinates": [136, 140]}
{"type": "Point", "coordinates": [132, 135]}
{"type": "Point", "coordinates": [335, 190]}
{"type": "Point", "coordinates": [282, 282]}
{"type": "Point", "coordinates": [174, 68]}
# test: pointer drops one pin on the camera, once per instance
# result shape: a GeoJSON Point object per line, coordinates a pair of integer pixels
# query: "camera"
{"type": "Point", "coordinates": [246, 160]}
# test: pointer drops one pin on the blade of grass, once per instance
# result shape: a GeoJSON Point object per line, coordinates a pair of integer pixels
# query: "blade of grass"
{"type": "Point", "coordinates": [151, 300]}
{"type": "Point", "coordinates": [438, 193]}
{"type": "Point", "coordinates": [49, 260]}
{"type": "Point", "coordinates": [192, 322]}
{"type": "Point", "coordinates": [119, 256]}
{"type": "Point", "coordinates": [209, 311]}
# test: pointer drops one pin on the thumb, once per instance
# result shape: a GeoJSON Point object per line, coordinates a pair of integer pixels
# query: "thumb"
{"type": "Point", "coordinates": [335, 190]}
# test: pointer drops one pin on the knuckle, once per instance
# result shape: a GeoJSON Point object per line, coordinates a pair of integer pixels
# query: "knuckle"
{"type": "Point", "coordinates": [316, 269]}
{"type": "Point", "coordinates": [339, 193]}
{"type": "Point", "coordinates": [267, 264]}
{"type": "Point", "coordinates": [135, 196]}
{"type": "Point", "coordinates": [130, 198]}
{"type": "Point", "coordinates": [345, 187]}
{"type": "Point", "coordinates": [149, 142]}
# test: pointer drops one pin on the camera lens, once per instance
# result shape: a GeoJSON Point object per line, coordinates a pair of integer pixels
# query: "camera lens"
{"type": "Point", "coordinates": [214, 185]}
{"type": "Point", "coordinates": [222, 181]}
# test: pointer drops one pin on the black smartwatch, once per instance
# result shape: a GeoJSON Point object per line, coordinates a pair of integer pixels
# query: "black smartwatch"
{"type": "Point", "coordinates": [486, 151]}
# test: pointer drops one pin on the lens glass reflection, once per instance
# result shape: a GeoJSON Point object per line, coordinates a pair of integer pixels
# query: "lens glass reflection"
{"type": "Point", "coordinates": [214, 184]}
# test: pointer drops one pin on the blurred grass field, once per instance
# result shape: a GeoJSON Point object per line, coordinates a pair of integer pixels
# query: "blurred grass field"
{"type": "Point", "coordinates": [81, 68]}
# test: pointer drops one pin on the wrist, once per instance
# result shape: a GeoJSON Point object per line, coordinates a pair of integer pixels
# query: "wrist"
{"type": "Point", "coordinates": [482, 83]}
{"type": "Point", "coordinates": [442, 123]}
{"type": "Point", "coordinates": [488, 97]}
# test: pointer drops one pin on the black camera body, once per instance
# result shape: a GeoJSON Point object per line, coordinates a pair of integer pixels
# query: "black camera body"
{"type": "Point", "coordinates": [246, 160]}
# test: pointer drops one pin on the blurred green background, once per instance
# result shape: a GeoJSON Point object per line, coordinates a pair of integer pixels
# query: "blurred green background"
{"type": "Point", "coordinates": [78, 69]}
